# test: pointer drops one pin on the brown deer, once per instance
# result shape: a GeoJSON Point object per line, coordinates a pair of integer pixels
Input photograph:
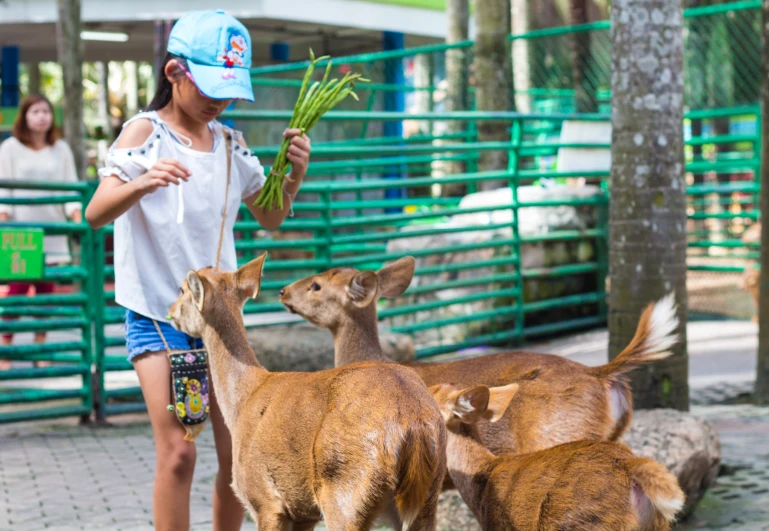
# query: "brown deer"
{"type": "Point", "coordinates": [580, 486]}
{"type": "Point", "coordinates": [559, 401]}
{"type": "Point", "coordinates": [349, 444]}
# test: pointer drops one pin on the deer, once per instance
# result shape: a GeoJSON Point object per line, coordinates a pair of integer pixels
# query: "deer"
{"type": "Point", "coordinates": [350, 445]}
{"type": "Point", "coordinates": [559, 401]}
{"type": "Point", "coordinates": [580, 485]}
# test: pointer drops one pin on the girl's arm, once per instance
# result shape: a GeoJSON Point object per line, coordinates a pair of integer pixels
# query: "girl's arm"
{"type": "Point", "coordinates": [299, 157]}
{"type": "Point", "coordinates": [114, 196]}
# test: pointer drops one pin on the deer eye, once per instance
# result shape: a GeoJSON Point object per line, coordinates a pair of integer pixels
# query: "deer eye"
{"type": "Point", "coordinates": [315, 286]}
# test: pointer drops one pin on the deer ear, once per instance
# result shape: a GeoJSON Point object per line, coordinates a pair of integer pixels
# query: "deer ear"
{"type": "Point", "coordinates": [469, 405]}
{"type": "Point", "coordinates": [195, 285]}
{"type": "Point", "coordinates": [499, 400]}
{"type": "Point", "coordinates": [249, 278]}
{"type": "Point", "coordinates": [362, 289]}
{"type": "Point", "coordinates": [395, 278]}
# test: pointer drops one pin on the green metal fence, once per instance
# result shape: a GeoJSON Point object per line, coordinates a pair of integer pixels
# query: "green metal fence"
{"type": "Point", "coordinates": [64, 388]}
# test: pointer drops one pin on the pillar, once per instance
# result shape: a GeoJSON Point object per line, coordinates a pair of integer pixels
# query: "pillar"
{"type": "Point", "coordinates": [9, 59]}
{"type": "Point", "coordinates": [394, 101]}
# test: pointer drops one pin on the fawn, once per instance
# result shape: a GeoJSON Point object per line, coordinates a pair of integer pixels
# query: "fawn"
{"type": "Point", "coordinates": [583, 485]}
{"type": "Point", "coordinates": [347, 444]}
{"type": "Point", "coordinates": [559, 401]}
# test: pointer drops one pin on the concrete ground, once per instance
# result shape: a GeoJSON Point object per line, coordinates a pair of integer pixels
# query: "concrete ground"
{"type": "Point", "coordinates": [58, 475]}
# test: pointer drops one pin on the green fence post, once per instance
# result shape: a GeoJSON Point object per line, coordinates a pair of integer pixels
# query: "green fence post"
{"type": "Point", "coordinates": [513, 162]}
{"type": "Point", "coordinates": [324, 251]}
{"type": "Point", "coordinates": [96, 294]}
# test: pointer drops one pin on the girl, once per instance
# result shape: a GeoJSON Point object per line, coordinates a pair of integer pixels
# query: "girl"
{"type": "Point", "coordinates": [165, 186]}
{"type": "Point", "coordinates": [35, 153]}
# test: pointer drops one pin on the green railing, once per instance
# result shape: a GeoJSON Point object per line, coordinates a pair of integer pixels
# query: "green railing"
{"type": "Point", "coordinates": [66, 318]}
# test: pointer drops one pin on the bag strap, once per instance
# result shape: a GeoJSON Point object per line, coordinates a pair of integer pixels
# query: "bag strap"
{"type": "Point", "coordinates": [228, 152]}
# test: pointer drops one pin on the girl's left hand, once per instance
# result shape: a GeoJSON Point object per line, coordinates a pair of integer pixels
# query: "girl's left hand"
{"type": "Point", "coordinates": [298, 153]}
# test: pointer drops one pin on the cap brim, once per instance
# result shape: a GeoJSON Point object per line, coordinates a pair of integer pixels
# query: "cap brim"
{"type": "Point", "coordinates": [216, 83]}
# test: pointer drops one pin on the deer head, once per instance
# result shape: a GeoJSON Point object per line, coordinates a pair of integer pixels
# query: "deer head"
{"type": "Point", "coordinates": [208, 290]}
{"type": "Point", "coordinates": [468, 406]}
{"type": "Point", "coordinates": [328, 299]}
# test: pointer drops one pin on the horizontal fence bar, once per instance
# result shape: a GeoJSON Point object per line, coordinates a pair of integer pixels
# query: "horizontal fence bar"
{"type": "Point", "coordinates": [384, 116]}
{"type": "Point", "coordinates": [42, 325]}
{"type": "Point", "coordinates": [55, 186]}
{"type": "Point", "coordinates": [434, 305]}
{"type": "Point", "coordinates": [45, 372]}
{"type": "Point", "coordinates": [44, 414]}
{"type": "Point", "coordinates": [21, 396]}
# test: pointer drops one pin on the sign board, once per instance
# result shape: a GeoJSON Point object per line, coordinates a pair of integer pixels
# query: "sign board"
{"type": "Point", "coordinates": [21, 254]}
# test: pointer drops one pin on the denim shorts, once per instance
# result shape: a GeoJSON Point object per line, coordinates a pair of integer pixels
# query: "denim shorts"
{"type": "Point", "coordinates": [141, 336]}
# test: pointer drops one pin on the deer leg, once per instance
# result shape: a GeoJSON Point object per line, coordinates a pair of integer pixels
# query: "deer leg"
{"type": "Point", "coordinates": [271, 521]}
{"type": "Point", "coordinates": [390, 517]}
{"type": "Point", "coordinates": [304, 526]}
{"type": "Point", "coordinates": [337, 520]}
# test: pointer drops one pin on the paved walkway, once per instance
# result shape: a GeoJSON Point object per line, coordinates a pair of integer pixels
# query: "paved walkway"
{"type": "Point", "coordinates": [58, 475]}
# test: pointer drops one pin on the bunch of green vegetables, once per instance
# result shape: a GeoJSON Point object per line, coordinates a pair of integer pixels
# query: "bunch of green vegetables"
{"type": "Point", "coordinates": [314, 101]}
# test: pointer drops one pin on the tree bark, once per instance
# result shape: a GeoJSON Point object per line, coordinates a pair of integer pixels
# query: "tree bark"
{"type": "Point", "coordinates": [584, 92]}
{"type": "Point", "coordinates": [494, 79]}
{"type": "Point", "coordinates": [521, 20]}
{"type": "Point", "coordinates": [131, 88]}
{"type": "Point", "coordinates": [70, 51]}
{"type": "Point", "coordinates": [458, 12]}
{"type": "Point", "coordinates": [33, 71]}
{"type": "Point", "coordinates": [105, 122]}
{"type": "Point", "coordinates": [762, 367]}
{"type": "Point", "coordinates": [648, 189]}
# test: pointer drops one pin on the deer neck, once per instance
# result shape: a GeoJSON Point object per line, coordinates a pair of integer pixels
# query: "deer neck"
{"type": "Point", "coordinates": [357, 339]}
{"type": "Point", "coordinates": [235, 370]}
{"type": "Point", "coordinates": [469, 464]}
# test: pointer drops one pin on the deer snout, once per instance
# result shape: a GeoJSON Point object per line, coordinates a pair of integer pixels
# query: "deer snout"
{"type": "Point", "coordinates": [284, 298]}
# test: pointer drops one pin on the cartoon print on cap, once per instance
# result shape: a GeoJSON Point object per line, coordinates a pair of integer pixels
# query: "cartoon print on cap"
{"type": "Point", "coordinates": [233, 55]}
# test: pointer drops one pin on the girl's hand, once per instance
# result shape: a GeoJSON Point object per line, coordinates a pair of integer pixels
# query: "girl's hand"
{"type": "Point", "coordinates": [164, 172]}
{"type": "Point", "coordinates": [298, 153]}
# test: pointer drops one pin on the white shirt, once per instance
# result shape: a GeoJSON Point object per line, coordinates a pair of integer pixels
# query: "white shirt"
{"type": "Point", "coordinates": [153, 253]}
{"type": "Point", "coordinates": [52, 163]}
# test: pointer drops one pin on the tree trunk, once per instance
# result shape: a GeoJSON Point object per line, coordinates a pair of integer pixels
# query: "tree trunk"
{"type": "Point", "coordinates": [33, 71]}
{"type": "Point", "coordinates": [584, 92]}
{"type": "Point", "coordinates": [70, 51]}
{"type": "Point", "coordinates": [458, 12]}
{"type": "Point", "coordinates": [105, 122]}
{"type": "Point", "coordinates": [648, 189]}
{"type": "Point", "coordinates": [521, 18]}
{"type": "Point", "coordinates": [494, 80]}
{"type": "Point", "coordinates": [131, 88]}
{"type": "Point", "coordinates": [762, 368]}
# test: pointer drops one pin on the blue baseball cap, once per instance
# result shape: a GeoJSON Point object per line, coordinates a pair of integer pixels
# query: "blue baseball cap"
{"type": "Point", "coordinates": [217, 48]}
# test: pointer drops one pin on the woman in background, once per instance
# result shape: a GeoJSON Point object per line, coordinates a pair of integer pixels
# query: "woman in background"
{"type": "Point", "coordinates": [35, 153]}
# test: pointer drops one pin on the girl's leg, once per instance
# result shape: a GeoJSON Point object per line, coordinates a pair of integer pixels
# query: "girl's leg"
{"type": "Point", "coordinates": [40, 338]}
{"type": "Point", "coordinates": [42, 288]}
{"type": "Point", "coordinates": [14, 289]}
{"type": "Point", "coordinates": [174, 457]}
{"type": "Point", "coordinates": [228, 511]}
{"type": "Point", "coordinates": [6, 341]}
